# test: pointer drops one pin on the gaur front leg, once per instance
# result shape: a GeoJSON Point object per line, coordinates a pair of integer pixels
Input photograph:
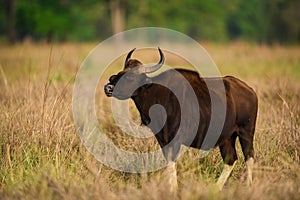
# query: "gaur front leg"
{"type": "Point", "coordinates": [170, 173]}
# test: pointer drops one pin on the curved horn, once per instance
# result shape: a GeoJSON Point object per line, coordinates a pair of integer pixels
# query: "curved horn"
{"type": "Point", "coordinates": [128, 57]}
{"type": "Point", "coordinates": [154, 67]}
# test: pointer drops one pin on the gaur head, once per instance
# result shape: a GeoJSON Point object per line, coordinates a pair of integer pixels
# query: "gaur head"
{"type": "Point", "coordinates": [126, 83]}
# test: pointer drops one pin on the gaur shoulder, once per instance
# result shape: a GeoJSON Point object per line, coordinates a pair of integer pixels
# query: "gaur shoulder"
{"type": "Point", "coordinates": [189, 74]}
{"type": "Point", "coordinates": [187, 71]}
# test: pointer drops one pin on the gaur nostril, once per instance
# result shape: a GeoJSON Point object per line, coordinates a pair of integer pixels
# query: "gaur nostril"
{"type": "Point", "coordinates": [108, 88]}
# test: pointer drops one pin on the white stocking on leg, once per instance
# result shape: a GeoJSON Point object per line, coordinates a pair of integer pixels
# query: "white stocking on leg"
{"type": "Point", "coordinates": [224, 175]}
{"type": "Point", "coordinates": [171, 176]}
{"type": "Point", "coordinates": [249, 163]}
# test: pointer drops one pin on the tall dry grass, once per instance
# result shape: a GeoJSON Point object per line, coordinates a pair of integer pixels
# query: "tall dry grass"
{"type": "Point", "coordinates": [42, 156]}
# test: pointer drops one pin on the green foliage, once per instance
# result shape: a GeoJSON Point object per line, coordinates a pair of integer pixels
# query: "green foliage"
{"type": "Point", "coordinates": [248, 21]}
{"type": "Point", "coordinates": [283, 18]}
{"type": "Point", "coordinates": [257, 20]}
{"type": "Point", "coordinates": [61, 20]}
{"type": "Point", "coordinates": [198, 19]}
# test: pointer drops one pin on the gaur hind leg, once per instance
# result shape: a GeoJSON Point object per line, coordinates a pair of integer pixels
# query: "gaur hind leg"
{"type": "Point", "coordinates": [228, 153]}
{"type": "Point", "coordinates": [246, 140]}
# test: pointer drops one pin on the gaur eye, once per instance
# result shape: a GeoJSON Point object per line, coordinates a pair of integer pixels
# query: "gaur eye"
{"type": "Point", "coordinates": [112, 78]}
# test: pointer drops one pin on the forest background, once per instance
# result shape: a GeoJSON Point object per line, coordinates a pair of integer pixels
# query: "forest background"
{"type": "Point", "coordinates": [259, 21]}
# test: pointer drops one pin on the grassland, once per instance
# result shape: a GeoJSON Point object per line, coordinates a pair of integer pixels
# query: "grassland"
{"type": "Point", "coordinates": [42, 157]}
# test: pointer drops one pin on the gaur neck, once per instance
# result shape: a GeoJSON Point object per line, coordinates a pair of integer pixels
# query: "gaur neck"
{"type": "Point", "coordinates": [140, 99]}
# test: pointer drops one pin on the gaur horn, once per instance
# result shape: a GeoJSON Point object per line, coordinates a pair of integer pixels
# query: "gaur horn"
{"type": "Point", "coordinates": [128, 57]}
{"type": "Point", "coordinates": [150, 69]}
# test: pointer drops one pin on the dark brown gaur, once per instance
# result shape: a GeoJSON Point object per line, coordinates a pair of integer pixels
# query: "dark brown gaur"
{"type": "Point", "coordinates": [241, 104]}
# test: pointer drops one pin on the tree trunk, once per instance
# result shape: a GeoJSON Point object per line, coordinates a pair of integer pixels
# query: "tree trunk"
{"type": "Point", "coordinates": [10, 12]}
{"type": "Point", "coordinates": [117, 16]}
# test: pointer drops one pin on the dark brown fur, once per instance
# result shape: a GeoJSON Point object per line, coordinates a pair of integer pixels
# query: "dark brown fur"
{"type": "Point", "coordinates": [240, 119]}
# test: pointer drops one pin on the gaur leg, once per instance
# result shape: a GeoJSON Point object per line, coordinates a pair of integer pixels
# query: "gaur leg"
{"type": "Point", "coordinates": [171, 176]}
{"type": "Point", "coordinates": [170, 154]}
{"type": "Point", "coordinates": [228, 153]}
{"type": "Point", "coordinates": [246, 141]}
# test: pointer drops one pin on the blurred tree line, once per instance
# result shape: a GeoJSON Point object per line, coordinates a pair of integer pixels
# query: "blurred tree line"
{"type": "Point", "coordinates": [263, 21]}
